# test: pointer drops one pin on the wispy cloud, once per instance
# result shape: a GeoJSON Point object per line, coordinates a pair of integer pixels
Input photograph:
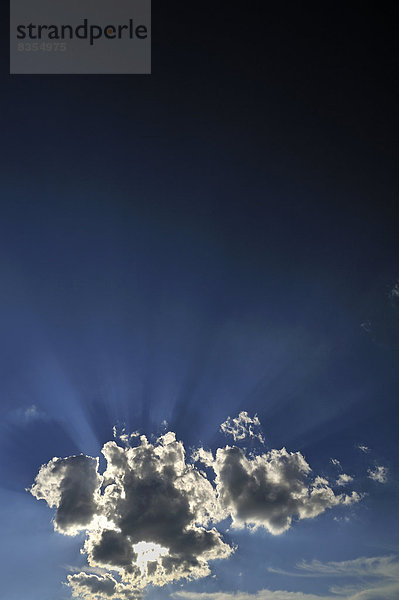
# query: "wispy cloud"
{"type": "Point", "coordinates": [378, 473]}
{"type": "Point", "coordinates": [261, 595]}
{"type": "Point", "coordinates": [27, 414]}
{"type": "Point", "coordinates": [375, 578]}
{"type": "Point", "coordinates": [363, 448]}
{"type": "Point", "coordinates": [31, 413]}
{"type": "Point", "coordinates": [344, 479]}
{"type": "Point", "coordinates": [375, 566]}
{"type": "Point", "coordinates": [242, 427]}
{"type": "Point", "coordinates": [394, 293]}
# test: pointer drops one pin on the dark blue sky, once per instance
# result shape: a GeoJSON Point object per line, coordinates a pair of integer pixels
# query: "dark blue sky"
{"type": "Point", "coordinates": [205, 240]}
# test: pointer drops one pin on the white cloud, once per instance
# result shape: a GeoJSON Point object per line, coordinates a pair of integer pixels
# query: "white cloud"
{"type": "Point", "coordinates": [91, 587]}
{"type": "Point", "coordinates": [124, 437]}
{"type": "Point", "coordinates": [270, 490]}
{"type": "Point", "coordinates": [72, 485]}
{"type": "Point", "coordinates": [151, 521]}
{"type": "Point", "coordinates": [375, 566]}
{"type": "Point", "coordinates": [151, 517]}
{"type": "Point", "coordinates": [335, 462]}
{"type": "Point", "coordinates": [261, 595]}
{"type": "Point", "coordinates": [342, 519]}
{"type": "Point", "coordinates": [27, 414]}
{"type": "Point", "coordinates": [344, 479]}
{"type": "Point", "coordinates": [363, 448]}
{"type": "Point", "coordinates": [242, 427]}
{"type": "Point", "coordinates": [379, 474]}
{"type": "Point", "coordinates": [375, 578]}
{"type": "Point", "coordinates": [31, 413]}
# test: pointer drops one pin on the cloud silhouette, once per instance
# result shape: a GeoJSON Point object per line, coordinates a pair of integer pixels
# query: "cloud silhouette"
{"type": "Point", "coordinates": [271, 489]}
{"type": "Point", "coordinates": [151, 517]}
{"type": "Point", "coordinates": [72, 485]}
{"type": "Point", "coordinates": [91, 587]}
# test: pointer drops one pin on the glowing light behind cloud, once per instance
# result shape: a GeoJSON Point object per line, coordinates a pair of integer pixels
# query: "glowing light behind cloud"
{"type": "Point", "coordinates": [151, 517]}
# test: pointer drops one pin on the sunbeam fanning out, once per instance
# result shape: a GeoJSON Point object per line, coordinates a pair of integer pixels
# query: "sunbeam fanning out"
{"type": "Point", "coordinates": [199, 305]}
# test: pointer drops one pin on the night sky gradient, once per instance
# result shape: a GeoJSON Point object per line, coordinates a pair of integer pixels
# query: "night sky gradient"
{"type": "Point", "coordinates": [219, 236]}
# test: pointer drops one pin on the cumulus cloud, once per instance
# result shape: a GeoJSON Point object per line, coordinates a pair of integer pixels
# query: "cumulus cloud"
{"type": "Point", "coordinates": [344, 479]}
{"type": "Point", "coordinates": [242, 427]}
{"type": "Point", "coordinates": [91, 587]}
{"type": "Point", "coordinates": [271, 489]}
{"type": "Point", "coordinates": [72, 485]}
{"type": "Point", "coordinates": [151, 517]}
{"type": "Point", "coordinates": [153, 495]}
{"type": "Point", "coordinates": [379, 474]}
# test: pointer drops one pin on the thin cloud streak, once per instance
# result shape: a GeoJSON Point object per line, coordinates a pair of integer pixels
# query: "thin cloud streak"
{"type": "Point", "coordinates": [382, 571]}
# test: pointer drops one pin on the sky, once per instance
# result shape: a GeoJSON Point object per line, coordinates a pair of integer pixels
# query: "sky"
{"type": "Point", "coordinates": [199, 300]}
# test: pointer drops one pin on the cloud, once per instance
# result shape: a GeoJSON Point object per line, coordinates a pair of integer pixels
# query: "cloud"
{"type": "Point", "coordinates": [394, 293]}
{"type": "Point", "coordinates": [367, 326]}
{"type": "Point", "coordinates": [123, 436]}
{"type": "Point", "coordinates": [335, 462]}
{"type": "Point", "coordinates": [261, 595]}
{"type": "Point", "coordinates": [27, 414]}
{"type": "Point", "coordinates": [375, 566]}
{"type": "Point", "coordinates": [92, 587]}
{"type": "Point", "coordinates": [383, 324]}
{"type": "Point", "coordinates": [72, 485]}
{"type": "Point", "coordinates": [242, 427]}
{"type": "Point", "coordinates": [344, 479]}
{"type": "Point", "coordinates": [363, 448]}
{"type": "Point", "coordinates": [152, 495]}
{"type": "Point", "coordinates": [31, 413]}
{"type": "Point", "coordinates": [375, 578]}
{"type": "Point", "coordinates": [270, 490]}
{"type": "Point", "coordinates": [379, 474]}
{"type": "Point", "coordinates": [151, 517]}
